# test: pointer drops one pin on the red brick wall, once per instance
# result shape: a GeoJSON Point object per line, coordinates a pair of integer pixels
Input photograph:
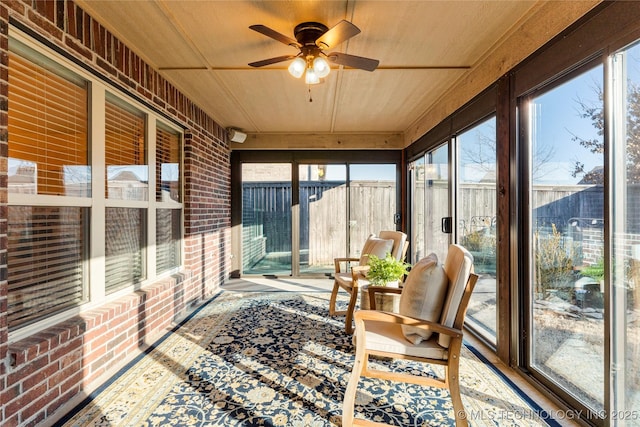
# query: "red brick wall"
{"type": "Point", "coordinates": [5, 391]}
{"type": "Point", "coordinates": [38, 375]}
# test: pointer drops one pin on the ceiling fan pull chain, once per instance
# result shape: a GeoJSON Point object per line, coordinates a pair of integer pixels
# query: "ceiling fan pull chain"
{"type": "Point", "coordinates": [310, 99]}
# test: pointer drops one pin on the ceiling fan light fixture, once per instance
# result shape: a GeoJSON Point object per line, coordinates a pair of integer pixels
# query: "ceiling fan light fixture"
{"type": "Point", "coordinates": [297, 67]}
{"type": "Point", "coordinates": [310, 77]}
{"type": "Point", "coordinates": [311, 39]}
{"type": "Point", "coordinates": [321, 67]}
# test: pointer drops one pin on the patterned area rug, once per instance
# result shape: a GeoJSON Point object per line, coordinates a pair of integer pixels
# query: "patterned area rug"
{"type": "Point", "coordinates": [279, 359]}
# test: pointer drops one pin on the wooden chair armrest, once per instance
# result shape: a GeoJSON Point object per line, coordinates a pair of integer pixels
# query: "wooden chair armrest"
{"type": "Point", "coordinates": [373, 290]}
{"type": "Point", "coordinates": [360, 269]}
{"type": "Point", "coordinates": [383, 316]}
{"type": "Point", "coordinates": [338, 261]}
{"type": "Point", "coordinates": [357, 272]}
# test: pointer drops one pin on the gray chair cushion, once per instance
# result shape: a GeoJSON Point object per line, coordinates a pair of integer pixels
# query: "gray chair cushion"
{"type": "Point", "coordinates": [422, 296]}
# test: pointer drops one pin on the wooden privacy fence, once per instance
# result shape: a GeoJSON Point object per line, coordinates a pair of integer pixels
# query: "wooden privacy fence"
{"type": "Point", "coordinates": [323, 213]}
{"type": "Point", "coordinates": [266, 216]}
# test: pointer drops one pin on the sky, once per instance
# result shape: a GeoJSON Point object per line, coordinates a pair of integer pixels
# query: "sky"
{"type": "Point", "coordinates": [556, 119]}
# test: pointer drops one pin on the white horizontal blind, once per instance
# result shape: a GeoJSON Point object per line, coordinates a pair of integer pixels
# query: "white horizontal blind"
{"type": "Point", "coordinates": [47, 131]}
{"type": "Point", "coordinates": [125, 239]}
{"type": "Point", "coordinates": [167, 165]}
{"type": "Point", "coordinates": [48, 257]}
{"type": "Point", "coordinates": [125, 152]}
{"type": "Point", "coordinates": [47, 247]}
{"type": "Point", "coordinates": [168, 239]}
{"type": "Point", "coordinates": [169, 196]}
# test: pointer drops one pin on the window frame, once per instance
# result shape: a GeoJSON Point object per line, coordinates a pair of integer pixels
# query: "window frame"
{"type": "Point", "coordinates": [94, 265]}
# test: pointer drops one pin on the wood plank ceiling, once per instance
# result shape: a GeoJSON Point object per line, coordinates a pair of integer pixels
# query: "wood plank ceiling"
{"type": "Point", "coordinates": [203, 47]}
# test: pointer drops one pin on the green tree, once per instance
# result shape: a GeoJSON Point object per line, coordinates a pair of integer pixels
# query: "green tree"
{"type": "Point", "coordinates": [595, 113]}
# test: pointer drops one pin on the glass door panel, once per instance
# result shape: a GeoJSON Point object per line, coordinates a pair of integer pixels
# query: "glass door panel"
{"type": "Point", "coordinates": [372, 202]}
{"type": "Point", "coordinates": [323, 216]}
{"type": "Point", "coordinates": [418, 208]}
{"type": "Point", "coordinates": [566, 340]}
{"type": "Point", "coordinates": [266, 218]}
{"type": "Point", "coordinates": [437, 202]}
{"type": "Point", "coordinates": [625, 217]}
{"type": "Point", "coordinates": [476, 219]}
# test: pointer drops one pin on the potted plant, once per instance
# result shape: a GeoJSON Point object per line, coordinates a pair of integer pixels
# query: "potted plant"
{"type": "Point", "coordinates": [386, 271]}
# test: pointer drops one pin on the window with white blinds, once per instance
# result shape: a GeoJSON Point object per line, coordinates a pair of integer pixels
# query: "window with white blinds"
{"type": "Point", "coordinates": [69, 245]}
{"type": "Point", "coordinates": [48, 124]}
{"type": "Point", "coordinates": [127, 179]}
{"type": "Point", "coordinates": [47, 250]}
{"type": "Point", "coordinates": [169, 198]}
{"type": "Point", "coordinates": [48, 156]}
{"type": "Point", "coordinates": [125, 151]}
{"type": "Point", "coordinates": [168, 239]}
{"type": "Point", "coordinates": [168, 172]}
{"type": "Point", "coordinates": [125, 240]}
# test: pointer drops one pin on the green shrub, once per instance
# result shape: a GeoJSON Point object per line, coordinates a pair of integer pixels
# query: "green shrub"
{"type": "Point", "coordinates": [553, 261]}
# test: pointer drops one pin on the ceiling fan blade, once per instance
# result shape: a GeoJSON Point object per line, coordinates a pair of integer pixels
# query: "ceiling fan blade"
{"type": "Point", "coordinates": [340, 32]}
{"type": "Point", "coordinates": [353, 61]}
{"type": "Point", "coordinates": [262, 29]}
{"type": "Point", "coordinates": [272, 61]}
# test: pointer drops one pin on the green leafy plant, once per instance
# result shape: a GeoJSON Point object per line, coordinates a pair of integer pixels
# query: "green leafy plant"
{"type": "Point", "coordinates": [595, 271]}
{"type": "Point", "coordinates": [385, 270]}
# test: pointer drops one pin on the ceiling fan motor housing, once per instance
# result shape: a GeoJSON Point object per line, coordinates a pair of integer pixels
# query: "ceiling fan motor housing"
{"type": "Point", "coordinates": [307, 33]}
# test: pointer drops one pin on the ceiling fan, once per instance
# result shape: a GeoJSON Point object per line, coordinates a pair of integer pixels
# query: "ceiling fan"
{"type": "Point", "coordinates": [312, 39]}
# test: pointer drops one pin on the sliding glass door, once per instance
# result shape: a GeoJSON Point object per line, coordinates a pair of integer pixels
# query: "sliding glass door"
{"type": "Point", "coordinates": [431, 222]}
{"type": "Point", "coordinates": [297, 217]}
{"type": "Point", "coordinates": [323, 219]}
{"type": "Point", "coordinates": [624, 261]}
{"type": "Point", "coordinates": [372, 202]}
{"type": "Point", "coordinates": [566, 295]}
{"type": "Point", "coordinates": [469, 218]}
{"type": "Point", "coordinates": [266, 218]}
{"type": "Point", "coordinates": [476, 220]}
{"type": "Point", "coordinates": [418, 209]}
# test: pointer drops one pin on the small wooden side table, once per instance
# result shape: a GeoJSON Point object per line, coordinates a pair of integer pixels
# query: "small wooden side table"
{"type": "Point", "coordinates": [384, 302]}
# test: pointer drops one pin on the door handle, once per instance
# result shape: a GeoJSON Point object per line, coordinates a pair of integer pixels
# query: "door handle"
{"type": "Point", "coordinates": [446, 225]}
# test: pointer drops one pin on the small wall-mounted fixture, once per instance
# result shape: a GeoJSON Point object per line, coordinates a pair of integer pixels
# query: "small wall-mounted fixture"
{"type": "Point", "coordinates": [236, 136]}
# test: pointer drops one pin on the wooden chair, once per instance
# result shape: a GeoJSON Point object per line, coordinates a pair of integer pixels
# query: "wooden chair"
{"type": "Point", "coordinates": [435, 337]}
{"type": "Point", "coordinates": [352, 278]}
